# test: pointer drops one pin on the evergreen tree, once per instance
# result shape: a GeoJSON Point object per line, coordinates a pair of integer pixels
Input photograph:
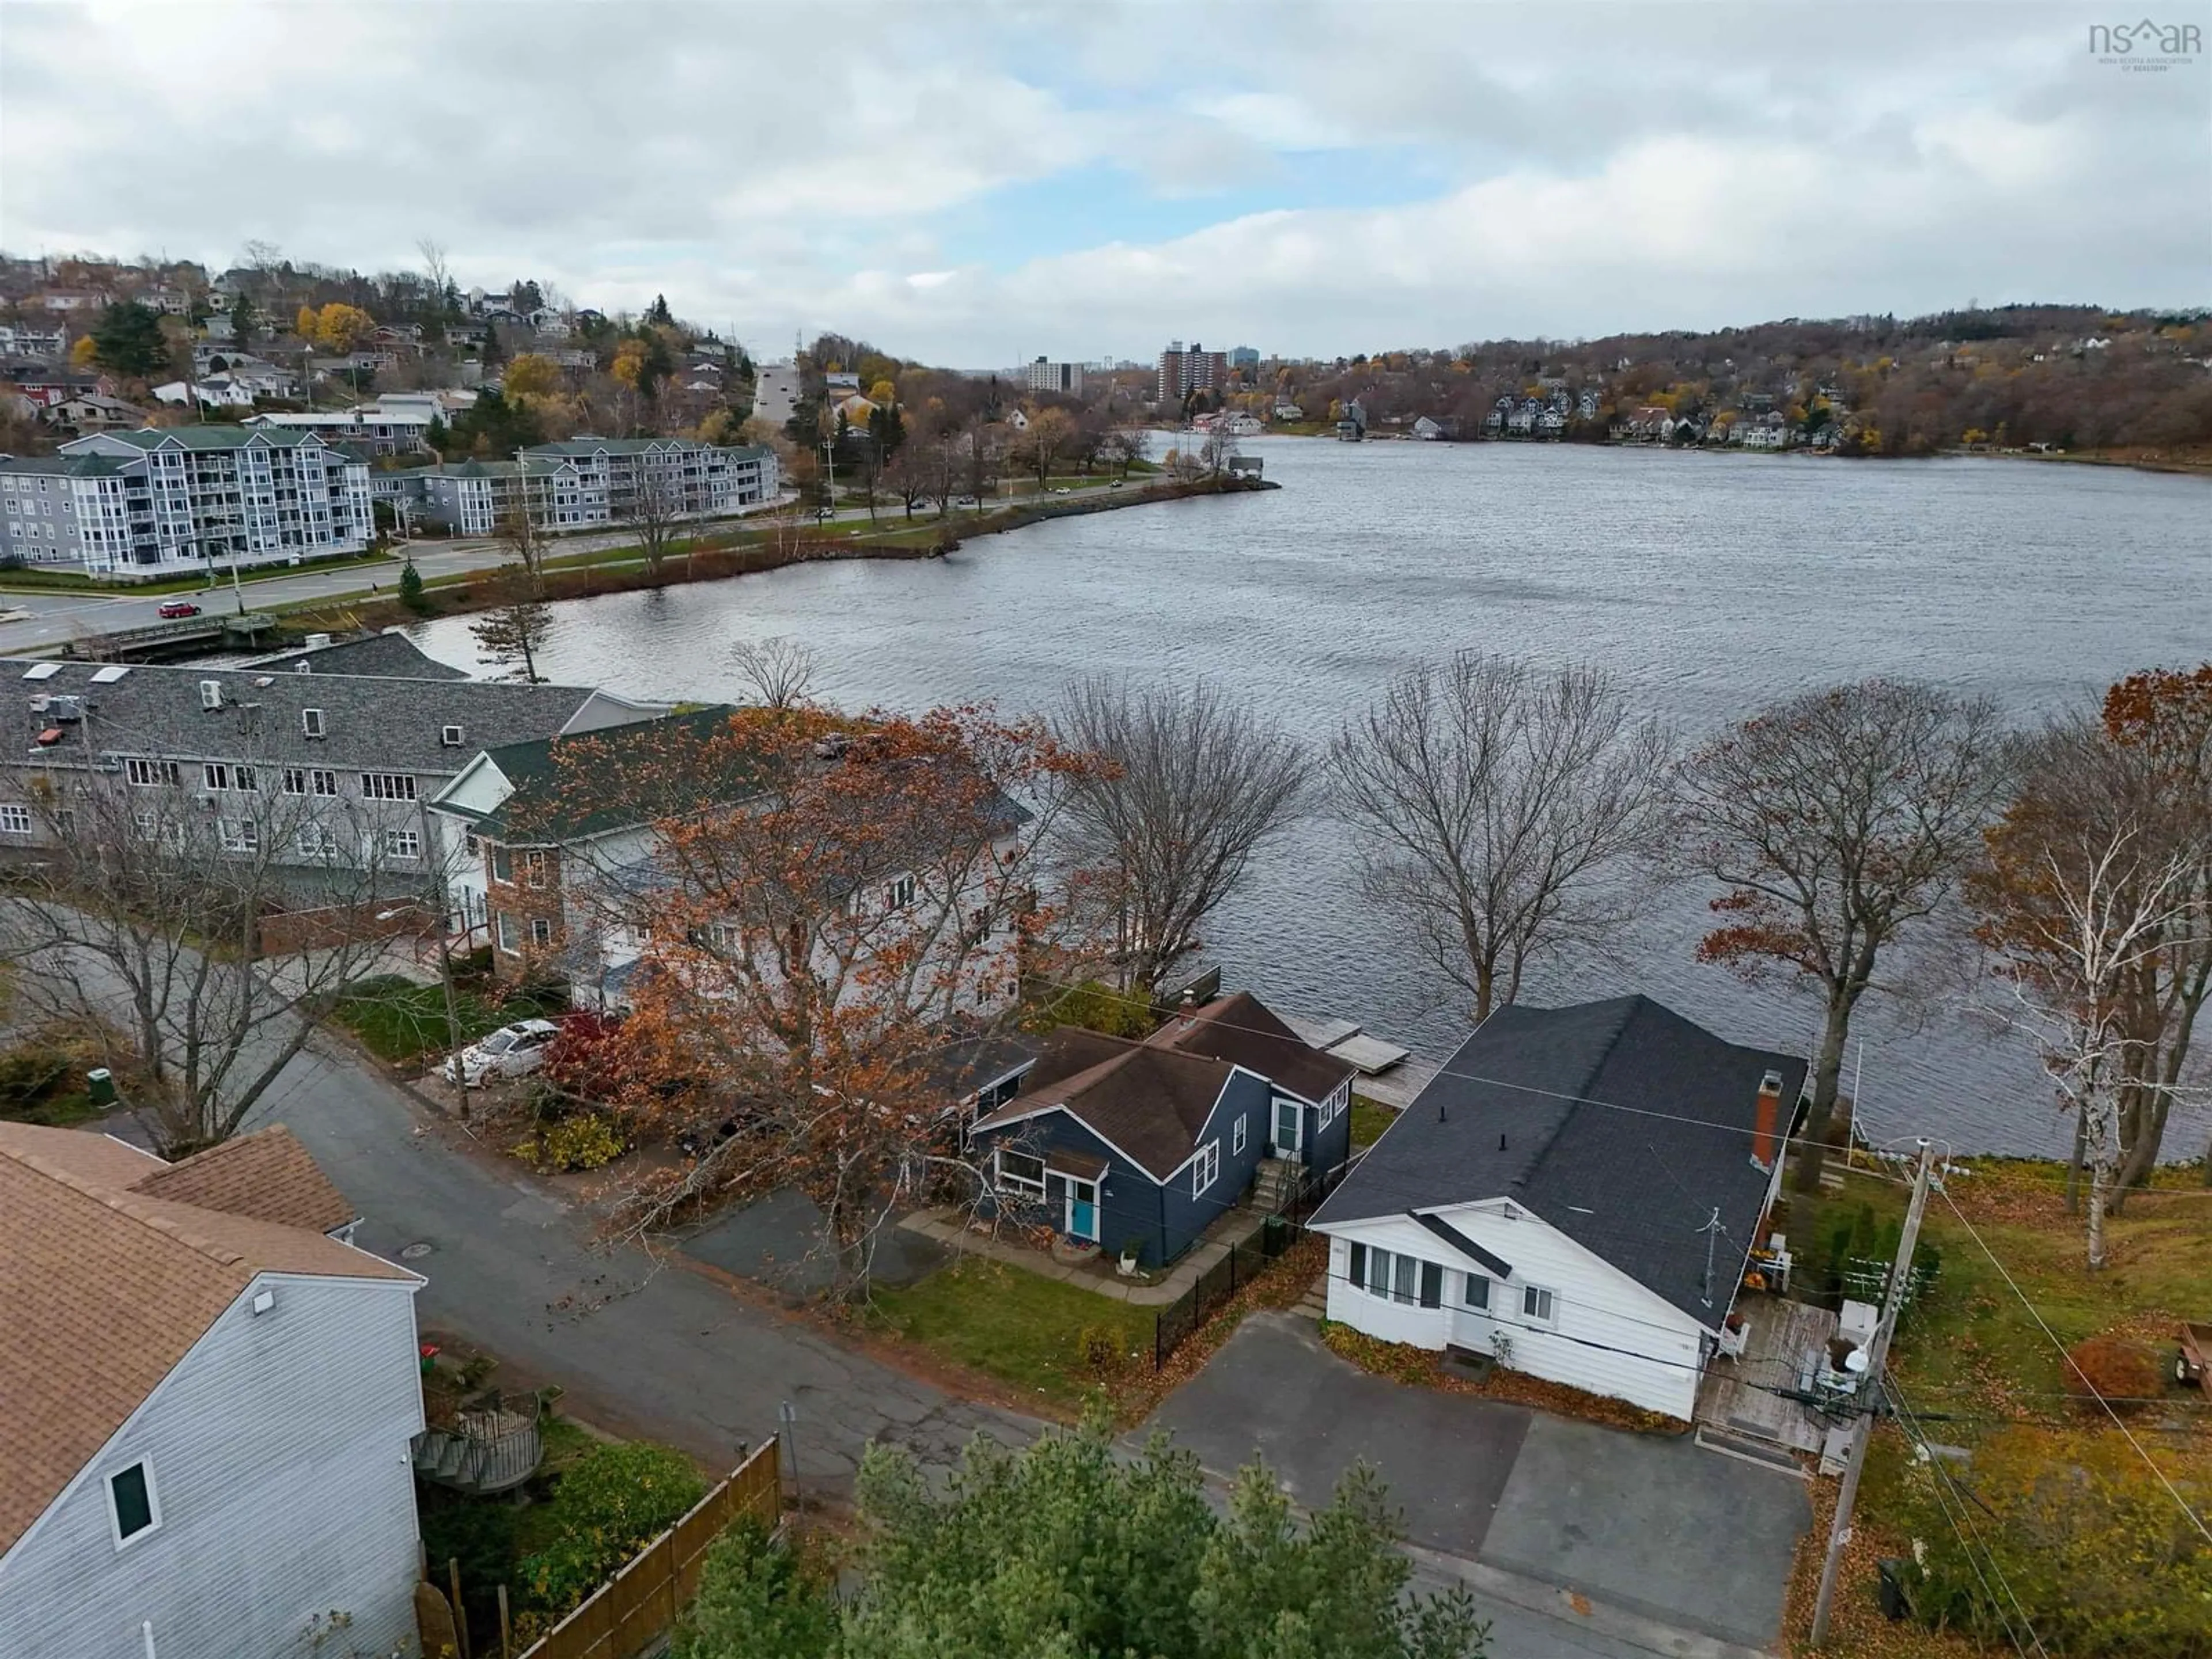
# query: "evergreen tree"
{"type": "Point", "coordinates": [410, 590]}
{"type": "Point", "coordinates": [128, 339]}
{"type": "Point", "coordinates": [1068, 1549]}
{"type": "Point", "coordinates": [243, 321]}
{"type": "Point", "coordinates": [657, 313]}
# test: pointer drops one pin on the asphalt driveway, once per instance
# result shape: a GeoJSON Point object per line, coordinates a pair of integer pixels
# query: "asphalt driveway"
{"type": "Point", "coordinates": [1657, 1526]}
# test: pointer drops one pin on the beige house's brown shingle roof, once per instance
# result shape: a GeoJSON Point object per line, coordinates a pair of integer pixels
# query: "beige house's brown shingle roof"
{"type": "Point", "coordinates": [105, 1287]}
{"type": "Point", "coordinates": [267, 1175]}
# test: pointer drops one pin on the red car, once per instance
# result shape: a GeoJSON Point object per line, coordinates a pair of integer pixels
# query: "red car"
{"type": "Point", "coordinates": [178, 608]}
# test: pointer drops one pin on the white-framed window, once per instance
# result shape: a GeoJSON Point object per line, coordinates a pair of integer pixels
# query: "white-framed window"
{"type": "Point", "coordinates": [537, 869]}
{"type": "Point", "coordinates": [402, 844]}
{"type": "Point", "coordinates": [387, 786]}
{"type": "Point", "coordinates": [1017, 1172]}
{"type": "Point", "coordinates": [310, 722]}
{"type": "Point", "coordinates": [1395, 1277]}
{"type": "Point", "coordinates": [503, 924]}
{"type": "Point", "coordinates": [541, 932]}
{"type": "Point", "coordinates": [1537, 1304]}
{"type": "Point", "coordinates": [899, 894]}
{"type": "Point", "coordinates": [1476, 1295]}
{"type": "Point", "coordinates": [220, 775]}
{"type": "Point", "coordinates": [1205, 1169]}
{"type": "Point", "coordinates": [147, 773]}
{"type": "Point", "coordinates": [1238, 1135]}
{"type": "Point", "coordinates": [241, 835]}
{"type": "Point", "coordinates": [316, 841]}
{"type": "Point", "coordinates": [134, 1508]}
{"type": "Point", "coordinates": [14, 820]}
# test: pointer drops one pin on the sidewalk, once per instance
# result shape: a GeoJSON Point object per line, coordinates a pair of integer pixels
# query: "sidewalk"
{"type": "Point", "coordinates": [945, 1228]}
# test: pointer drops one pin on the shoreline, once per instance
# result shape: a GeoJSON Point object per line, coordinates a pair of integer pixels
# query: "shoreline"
{"type": "Point", "coordinates": [749, 551]}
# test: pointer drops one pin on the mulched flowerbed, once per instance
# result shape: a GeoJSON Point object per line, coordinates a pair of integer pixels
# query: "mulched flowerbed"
{"type": "Point", "coordinates": [1423, 1368]}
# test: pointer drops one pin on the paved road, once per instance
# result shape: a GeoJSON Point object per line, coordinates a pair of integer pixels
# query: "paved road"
{"type": "Point", "coordinates": [655, 1351]}
{"type": "Point", "coordinates": [1670, 1538]}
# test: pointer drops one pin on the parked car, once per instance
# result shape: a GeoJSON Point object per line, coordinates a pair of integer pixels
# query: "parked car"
{"type": "Point", "coordinates": [511, 1051]}
{"type": "Point", "coordinates": [174, 608]}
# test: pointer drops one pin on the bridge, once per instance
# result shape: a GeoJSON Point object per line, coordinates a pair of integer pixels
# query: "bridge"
{"type": "Point", "coordinates": [246, 633]}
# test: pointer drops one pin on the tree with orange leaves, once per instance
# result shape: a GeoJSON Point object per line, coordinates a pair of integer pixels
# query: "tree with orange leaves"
{"type": "Point", "coordinates": [2095, 898]}
{"type": "Point", "coordinates": [823, 907]}
{"type": "Point", "coordinates": [1838, 823]}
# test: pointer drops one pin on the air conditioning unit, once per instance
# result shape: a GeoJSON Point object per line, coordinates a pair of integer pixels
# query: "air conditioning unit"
{"type": "Point", "coordinates": [211, 694]}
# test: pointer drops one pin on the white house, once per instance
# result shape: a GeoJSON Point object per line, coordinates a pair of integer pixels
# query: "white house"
{"type": "Point", "coordinates": [1576, 1194]}
{"type": "Point", "coordinates": [211, 1398]}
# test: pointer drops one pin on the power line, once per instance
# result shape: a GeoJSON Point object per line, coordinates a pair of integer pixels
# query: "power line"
{"type": "Point", "coordinates": [2195, 1520]}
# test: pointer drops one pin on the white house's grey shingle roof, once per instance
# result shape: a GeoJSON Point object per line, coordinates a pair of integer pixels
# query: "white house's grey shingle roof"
{"type": "Point", "coordinates": [1621, 1123]}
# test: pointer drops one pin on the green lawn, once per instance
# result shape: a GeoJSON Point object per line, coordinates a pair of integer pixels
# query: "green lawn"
{"type": "Point", "coordinates": [1370, 1118]}
{"type": "Point", "coordinates": [70, 581]}
{"type": "Point", "coordinates": [400, 1021]}
{"type": "Point", "coordinates": [1024, 1330]}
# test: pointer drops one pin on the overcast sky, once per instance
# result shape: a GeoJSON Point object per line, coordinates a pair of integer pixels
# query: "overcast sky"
{"type": "Point", "coordinates": [974, 184]}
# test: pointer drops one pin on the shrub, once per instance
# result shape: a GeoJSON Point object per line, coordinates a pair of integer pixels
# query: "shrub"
{"type": "Point", "coordinates": [2100, 1559]}
{"type": "Point", "coordinates": [610, 1503]}
{"type": "Point", "coordinates": [479, 1534]}
{"type": "Point", "coordinates": [1099, 1347]}
{"type": "Point", "coordinates": [2126, 1374]}
{"type": "Point", "coordinates": [582, 1140]}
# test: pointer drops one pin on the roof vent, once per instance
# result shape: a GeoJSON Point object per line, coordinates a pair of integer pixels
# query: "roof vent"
{"type": "Point", "coordinates": [67, 709]}
{"type": "Point", "coordinates": [211, 694]}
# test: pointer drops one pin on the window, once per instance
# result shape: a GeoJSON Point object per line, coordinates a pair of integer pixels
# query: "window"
{"type": "Point", "coordinates": [1396, 1277]}
{"type": "Point", "coordinates": [1236, 1140]}
{"type": "Point", "coordinates": [147, 773]}
{"type": "Point", "coordinates": [316, 841]}
{"type": "Point", "coordinates": [309, 780]}
{"type": "Point", "coordinates": [14, 820]}
{"type": "Point", "coordinates": [989, 1100]}
{"type": "Point", "coordinates": [541, 932]}
{"type": "Point", "coordinates": [506, 936]}
{"type": "Point", "coordinates": [502, 865]}
{"type": "Point", "coordinates": [310, 722]}
{"type": "Point", "coordinates": [1206, 1167]}
{"type": "Point", "coordinates": [135, 1509]}
{"type": "Point", "coordinates": [450, 737]}
{"type": "Point", "coordinates": [241, 835]}
{"type": "Point", "coordinates": [899, 894]}
{"type": "Point", "coordinates": [537, 869]}
{"type": "Point", "coordinates": [471, 845]}
{"type": "Point", "coordinates": [402, 844]}
{"type": "Point", "coordinates": [220, 776]}
{"type": "Point", "coordinates": [387, 786]}
{"type": "Point", "coordinates": [1020, 1172]}
{"type": "Point", "coordinates": [1536, 1303]}
{"type": "Point", "coordinates": [1477, 1294]}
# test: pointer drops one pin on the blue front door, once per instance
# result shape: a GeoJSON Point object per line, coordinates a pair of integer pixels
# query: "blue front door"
{"type": "Point", "coordinates": [1083, 1210]}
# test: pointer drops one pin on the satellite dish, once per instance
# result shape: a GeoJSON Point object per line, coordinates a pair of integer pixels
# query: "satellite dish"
{"type": "Point", "coordinates": [1855, 1362]}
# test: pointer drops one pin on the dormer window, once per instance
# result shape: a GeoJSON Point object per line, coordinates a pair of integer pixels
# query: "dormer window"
{"type": "Point", "coordinates": [310, 722]}
{"type": "Point", "coordinates": [451, 736]}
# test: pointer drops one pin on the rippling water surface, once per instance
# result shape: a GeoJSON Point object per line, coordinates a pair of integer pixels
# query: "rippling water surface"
{"type": "Point", "coordinates": [1709, 584]}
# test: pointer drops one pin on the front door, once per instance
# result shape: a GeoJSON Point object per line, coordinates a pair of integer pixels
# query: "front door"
{"type": "Point", "coordinates": [1289, 1116]}
{"type": "Point", "coordinates": [1083, 1210]}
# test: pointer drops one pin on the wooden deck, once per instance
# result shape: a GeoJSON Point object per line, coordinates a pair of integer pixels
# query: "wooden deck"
{"type": "Point", "coordinates": [1787, 1341]}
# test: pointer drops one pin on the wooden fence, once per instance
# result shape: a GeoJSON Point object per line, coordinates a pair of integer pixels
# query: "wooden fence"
{"type": "Point", "coordinates": [624, 1616]}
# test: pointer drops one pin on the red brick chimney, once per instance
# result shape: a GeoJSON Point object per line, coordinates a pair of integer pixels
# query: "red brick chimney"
{"type": "Point", "coordinates": [1766, 1134]}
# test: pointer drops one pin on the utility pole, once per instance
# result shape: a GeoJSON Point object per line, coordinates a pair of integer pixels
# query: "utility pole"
{"type": "Point", "coordinates": [1839, 1531]}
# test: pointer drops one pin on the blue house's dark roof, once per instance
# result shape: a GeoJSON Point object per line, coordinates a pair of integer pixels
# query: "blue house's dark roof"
{"type": "Point", "coordinates": [1150, 1104]}
{"type": "Point", "coordinates": [1578, 1113]}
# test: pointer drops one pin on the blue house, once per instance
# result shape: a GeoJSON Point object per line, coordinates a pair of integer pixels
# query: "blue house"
{"type": "Point", "coordinates": [1140, 1146]}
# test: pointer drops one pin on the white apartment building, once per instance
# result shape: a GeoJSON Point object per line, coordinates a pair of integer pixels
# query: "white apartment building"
{"type": "Point", "coordinates": [585, 482]}
{"type": "Point", "coordinates": [398, 430]}
{"type": "Point", "coordinates": [17, 341]}
{"type": "Point", "coordinates": [470, 498]}
{"type": "Point", "coordinates": [1046, 376]}
{"type": "Point", "coordinates": [135, 506]}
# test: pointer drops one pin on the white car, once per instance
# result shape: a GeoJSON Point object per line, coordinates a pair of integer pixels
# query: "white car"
{"type": "Point", "coordinates": [511, 1051]}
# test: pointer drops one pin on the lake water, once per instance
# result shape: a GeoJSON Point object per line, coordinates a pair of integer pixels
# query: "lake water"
{"type": "Point", "coordinates": [1709, 584]}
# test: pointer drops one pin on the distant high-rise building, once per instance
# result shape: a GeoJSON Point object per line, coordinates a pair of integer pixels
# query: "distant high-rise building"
{"type": "Point", "coordinates": [1244, 357]}
{"type": "Point", "coordinates": [1048, 376]}
{"type": "Point", "coordinates": [1184, 371]}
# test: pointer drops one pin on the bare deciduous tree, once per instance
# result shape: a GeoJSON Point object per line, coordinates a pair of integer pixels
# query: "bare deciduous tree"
{"type": "Point", "coordinates": [656, 512]}
{"type": "Point", "coordinates": [779, 671]}
{"type": "Point", "coordinates": [1218, 449]}
{"type": "Point", "coordinates": [1124, 448]}
{"type": "Point", "coordinates": [1839, 822]}
{"type": "Point", "coordinates": [514, 632]}
{"type": "Point", "coordinates": [1497, 807]}
{"type": "Point", "coordinates": [141, 923]}
{"type": "Point", "coordinates": [1194, 784]}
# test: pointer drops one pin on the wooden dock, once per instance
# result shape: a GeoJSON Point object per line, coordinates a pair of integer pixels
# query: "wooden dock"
{"type": "Point", "coordinates": [1788, 1341]}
